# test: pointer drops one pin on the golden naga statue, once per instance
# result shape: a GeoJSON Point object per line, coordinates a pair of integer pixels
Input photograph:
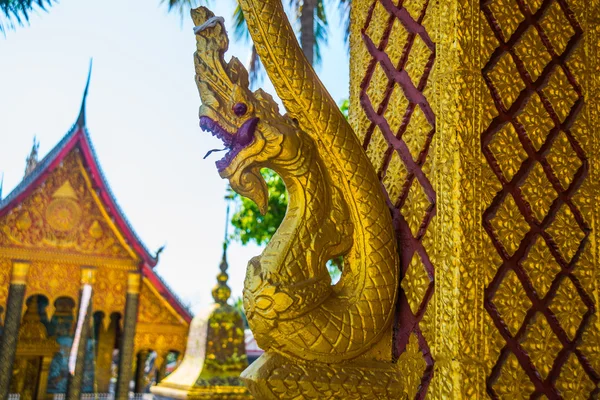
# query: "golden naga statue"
{"type": "Point", "coordinates": [321, 340]}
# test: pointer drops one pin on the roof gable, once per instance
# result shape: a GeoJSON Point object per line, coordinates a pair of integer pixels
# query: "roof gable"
{"type": "Point", "coordinates": [57, 170]}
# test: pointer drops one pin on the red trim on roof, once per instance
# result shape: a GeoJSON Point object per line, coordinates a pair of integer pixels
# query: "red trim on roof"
{"type": "Point", "coordinates": [109, 201]}
{"type": "Point", "coordinates": [79, 139]}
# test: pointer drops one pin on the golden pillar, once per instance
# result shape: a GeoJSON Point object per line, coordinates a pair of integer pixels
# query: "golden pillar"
{"type": "Point", "coordinates": [82, 333]}
{"type": "Point", "coordinates": [140, 376]}
{"type": "Point", "coordinates": [43, 381]}
{"type": "Point", "coordinates": [480, 118]}
{"type": "Point", "coordinates": [126, 350]}
{"type": "Point", "coordinates": [12, 321]}
{"type": "Point", "coordinates": [106, 344]}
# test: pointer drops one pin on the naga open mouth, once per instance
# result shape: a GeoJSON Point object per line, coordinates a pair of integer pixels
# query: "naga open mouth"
{"type": "Point", "coordinates": [234, 142]}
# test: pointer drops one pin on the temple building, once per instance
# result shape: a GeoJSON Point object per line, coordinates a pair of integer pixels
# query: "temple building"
{"type": "Point", "coordinates": [76, 280]}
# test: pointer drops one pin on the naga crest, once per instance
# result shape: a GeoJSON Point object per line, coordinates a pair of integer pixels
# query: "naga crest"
{"type": "Point", "coordinates": [248, 123]}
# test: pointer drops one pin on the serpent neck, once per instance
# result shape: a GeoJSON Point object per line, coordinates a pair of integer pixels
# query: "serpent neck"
{"type": "Point", "coordinates": [305, 181]}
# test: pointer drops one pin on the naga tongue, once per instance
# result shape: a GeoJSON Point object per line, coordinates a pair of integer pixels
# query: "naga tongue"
{"type": "Point", "coordinates": [213, 151]}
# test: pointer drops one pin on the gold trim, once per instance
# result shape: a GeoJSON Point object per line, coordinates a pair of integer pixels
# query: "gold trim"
{"type": "Point", "coordinates": [88, 275]}
{"type": "Point", "coordinates": [32, 254]}
{"type": "Point", "coordinates": [20, 269]}
{"type": "Point", "coordinates": [103, 211]}
{"type": "Point", "coordinates": [161, 329]}
{"type": "Point", "coordinates": [134, 281]}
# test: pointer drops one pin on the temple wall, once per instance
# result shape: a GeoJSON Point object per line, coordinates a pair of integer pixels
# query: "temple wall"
{"type": "Point", "coordinates": [488, 153]}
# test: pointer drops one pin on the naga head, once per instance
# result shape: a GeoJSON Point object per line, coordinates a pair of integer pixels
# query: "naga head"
{"type": "Point", "coordinates": [249, 124]}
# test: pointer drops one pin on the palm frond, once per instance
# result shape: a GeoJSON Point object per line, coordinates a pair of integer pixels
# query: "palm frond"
{"type": "Point", "coordinates": [16, 12]}
{"type": "Point", "coordinates": [344, 6]}
{"type": "Point", "coordinates": [321, 30]}
{"type": "Point", "coordinates": [240, 32]}
{"type": "Point", "coordinates": [183, 7]}
{"type": "Point", "coordinates": [240, 28]}
{"type": "Point", "coordinates": [255, 69]}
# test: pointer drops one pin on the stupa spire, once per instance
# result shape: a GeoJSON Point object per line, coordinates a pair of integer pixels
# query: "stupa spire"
{"type": "Point", "coordinates": [81, 117]}
{"type": "Point", "coordinates": [221, 292]}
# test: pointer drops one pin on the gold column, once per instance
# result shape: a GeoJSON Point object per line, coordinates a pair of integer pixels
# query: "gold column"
{"type": "Point", "coordinates": [140, 376]}
{"type": "Point", "coordinates": [127, 340]}
{"type": "Point", "coordinates": [43, 381]}
{"type": "Point", "coordinates": [105, 347]}
{"type": "Point", "coordinates": [493, 170]}
{"type": "Point", "coordinates": [12, 322]}
{"type": "Point", "coordinates": [75, 381]}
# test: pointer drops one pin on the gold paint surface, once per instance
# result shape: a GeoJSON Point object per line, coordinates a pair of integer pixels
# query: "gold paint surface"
{"type": "Point", "coordinates": [64, 213]}
{"type": "Point", "coordinates": [335, 208]}
{"type": "Point", "coordinates": [88, 275]}
{"type": "Point", "coordinates": [496, 195]}
{"type": "Point", "coordinates": [514, 163]}
{"type": "Point", "coordinates": [159, 327]}
{"type": "Point", "coordinates": [134, 282]}
{"type": "Point", "coordinates": [63, 226]}
{"type": "Point", "coordinates": [20, 269]}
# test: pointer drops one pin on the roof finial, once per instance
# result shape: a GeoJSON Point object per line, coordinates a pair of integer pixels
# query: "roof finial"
{"type": "Point", "coordinates": [32, 159]}
{"type": "Point", "coordinates": [81, 117]}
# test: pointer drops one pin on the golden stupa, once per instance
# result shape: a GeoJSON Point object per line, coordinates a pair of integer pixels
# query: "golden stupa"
{"type": "Point", "coordinates": [215, 355]}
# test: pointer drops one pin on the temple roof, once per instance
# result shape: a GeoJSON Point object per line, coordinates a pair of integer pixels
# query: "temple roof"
{"type": "Point", "coordinates": [78, 138]}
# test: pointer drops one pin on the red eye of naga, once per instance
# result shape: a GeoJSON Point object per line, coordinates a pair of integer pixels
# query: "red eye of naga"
{"type": "Point", "coordinates": [240, 109]}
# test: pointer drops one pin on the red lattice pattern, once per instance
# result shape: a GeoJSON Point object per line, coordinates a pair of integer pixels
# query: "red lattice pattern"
{"type": "Point", "coordinates": [543, 224]}
{"type": "Point", "coordinates": [398, 79]}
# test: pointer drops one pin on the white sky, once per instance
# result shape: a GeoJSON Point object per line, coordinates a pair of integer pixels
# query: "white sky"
{"type": "Point", "coordinates": [142, 115]}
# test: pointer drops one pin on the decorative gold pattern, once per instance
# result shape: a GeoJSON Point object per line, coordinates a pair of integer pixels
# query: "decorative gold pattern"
{"type": "Point", "coordinates": [61, 214]}
{"type": "Point", "coordinates": [513, 383]}
{"type": "Point", "coordinates": [159, 327]}
{"type": "Point", "coordinates": [60, 229]}
{"type": "Point", "coordinates": [154, 309]}
{"type": "Point", "coordinates": [134, 281]}
{"type": "Point", "coordinates": [20, 270]}
{"type": "Point", "coordinates": [513, 89]}
{"type": "Point", "coordinates": [541, 344]}
{"type": "Point", "coordinates": [54, 280]}
{"type": "Point", "coordinates": [335, 205]}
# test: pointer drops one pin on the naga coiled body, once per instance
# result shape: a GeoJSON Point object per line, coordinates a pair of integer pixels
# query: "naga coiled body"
{"type": "Point", "coordinates": [336, 206]}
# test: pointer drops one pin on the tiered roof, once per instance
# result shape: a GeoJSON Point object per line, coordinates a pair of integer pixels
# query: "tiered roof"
{"type": "Point", "coordinates": [79, 138]}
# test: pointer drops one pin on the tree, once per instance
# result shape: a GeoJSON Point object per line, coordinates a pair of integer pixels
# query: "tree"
{"type": "Point", "coordinates": [17, 11]}
{"type": "Point", "coordinates": [249, 225]}
{"type": "Point", "coordinates": [311, 18]}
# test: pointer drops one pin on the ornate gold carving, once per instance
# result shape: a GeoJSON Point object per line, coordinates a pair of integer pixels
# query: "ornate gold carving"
{"type": "Point", "coordinates": [88, 275]}
{"type": "Point", "coordinates": [513, 88]}
{"type": "Point", "coordinates": [335, 207]}
{"type": "Point", "coordinates": [155, 309]}
{"type": "Point", "coordinates": [20, 269]}
{"type": "Point", "coordinates": [64, 213]}
{"type": "Point", "coordinates": [134, 281]}
{"type": "Point", "coordinates": [54, 280]}
{"type": "Point", "coordinates": [5, 272]}
{"type": "Point", "coordinates": [110, 288]}
{"type": "Point", "coordinates": [33, 336]}
{"type": "Point", "coordinates": [159, 339]}
{"type": "Point", "coordinates": [57, 256]}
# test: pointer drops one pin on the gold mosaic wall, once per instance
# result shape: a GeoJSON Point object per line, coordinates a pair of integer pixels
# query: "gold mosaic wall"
{"type": "Point", "coordinates": [484, 139]}
{"type": "Point", "coordinates": [159, 327]}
